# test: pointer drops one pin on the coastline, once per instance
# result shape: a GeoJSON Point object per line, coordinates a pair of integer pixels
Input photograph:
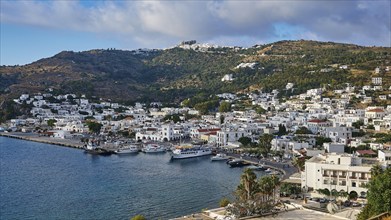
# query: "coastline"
{"type": "Point", "coordinates": [46, 140]}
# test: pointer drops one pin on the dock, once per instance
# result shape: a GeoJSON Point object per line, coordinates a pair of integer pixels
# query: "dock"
{"type": "Point", "coordinates": [72, 143]}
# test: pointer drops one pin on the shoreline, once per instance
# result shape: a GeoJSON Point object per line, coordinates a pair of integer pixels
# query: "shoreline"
{"type": "Point", "coordinates": [78, 145]}
{"type": "Point", "coordinates": [45, 140]}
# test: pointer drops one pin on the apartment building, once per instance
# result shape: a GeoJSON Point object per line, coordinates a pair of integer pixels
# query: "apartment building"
{"type": "Point", "coordinates": [337, 172]}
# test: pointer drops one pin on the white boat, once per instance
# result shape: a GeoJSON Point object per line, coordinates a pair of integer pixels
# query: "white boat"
{"type": "Point", "coordinates": [219, 157]}
{"type": "Point", "coordinates": [153, 148]}
{"type": "Point", "coordinates": [183, 152]}
{"type": "Point", "coordinates": [130, 149]}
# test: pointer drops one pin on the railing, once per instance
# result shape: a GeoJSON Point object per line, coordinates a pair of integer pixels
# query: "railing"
{"type": "Point", "coordinates": [353, 177]}
{"type": "Point", "coordinates": [342, 176]}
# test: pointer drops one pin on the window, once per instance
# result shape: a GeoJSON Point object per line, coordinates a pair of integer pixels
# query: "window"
{"type": "Point", "coordinates": [353, 184]}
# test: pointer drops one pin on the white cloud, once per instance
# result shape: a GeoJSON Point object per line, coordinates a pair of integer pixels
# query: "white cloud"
{"type": "Point", "coordinates": [154, 23]}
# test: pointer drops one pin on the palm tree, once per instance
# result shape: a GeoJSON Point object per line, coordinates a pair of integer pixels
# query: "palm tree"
{"type": "Point", "coordinates": [299, 163]}
{"type": "Point", "coordinates": [248, 186]}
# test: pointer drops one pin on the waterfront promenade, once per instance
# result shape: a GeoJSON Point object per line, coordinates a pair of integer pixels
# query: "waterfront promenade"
{"type": "Point", "coordinates": [73, 143]}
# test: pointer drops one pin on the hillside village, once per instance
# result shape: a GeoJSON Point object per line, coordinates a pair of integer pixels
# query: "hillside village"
{"type": "Point", "coordinates": [337, 142]}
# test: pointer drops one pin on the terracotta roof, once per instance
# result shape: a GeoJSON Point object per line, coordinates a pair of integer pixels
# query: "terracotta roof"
{"type": "Point", "coordinates": [316, 121]}
{"type": "Point", "coordinates": [376, 110]}
{"type": "Point", "coordinates": [209, 130]}
{"type": "Point", "coordinates": [368, 152]}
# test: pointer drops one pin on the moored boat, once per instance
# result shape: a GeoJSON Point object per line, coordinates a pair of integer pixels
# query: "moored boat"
{"type": "Point", "coordinates": [93, 149]}
{"type": "Point", "coordinates": [153, 148]}
{"type": "Point", "coordinates": [194, 150]}
{"type": "Point", "coordinates": [238, 163]}
{"type": "Point", "coordinates": [257, 167]}
{"type": "Point", "coordinates": [219, 157]}
{"type": "Point", "coordinates": [130, 149]}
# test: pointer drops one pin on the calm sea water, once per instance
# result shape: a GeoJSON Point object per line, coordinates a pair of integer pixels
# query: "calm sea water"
{"type": "Point", "coordinates": [41, 181]}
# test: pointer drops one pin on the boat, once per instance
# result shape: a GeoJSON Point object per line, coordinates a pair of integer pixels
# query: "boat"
{"type": "Point", "coordinates": [257, 167]}
{"type": "Point", "coordinates": [91, 148]}
{"type": "Point", "coordinates": [219, 157]}
{"type": "Point", "coordinates": [130, 149]}
{"type": "Point", "coordinates": [195, 150]}
{"type": "Point", "coordinates": [238, 163]}
{"type": "Point", "coordinates": [153, 148]}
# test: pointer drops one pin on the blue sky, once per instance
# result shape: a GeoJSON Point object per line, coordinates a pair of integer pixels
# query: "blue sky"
{"type": "Point", "coordinates": [31, 30]}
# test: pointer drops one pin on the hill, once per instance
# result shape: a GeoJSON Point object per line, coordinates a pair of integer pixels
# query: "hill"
{"type": "Point", "coordinates": [173, 74]}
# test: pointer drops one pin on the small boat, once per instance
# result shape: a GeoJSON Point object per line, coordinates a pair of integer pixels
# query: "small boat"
{"type": "Point", "coordinates": [268, 170]}
{"type": "Point", "coordinates": [131, 149]}
{"type": "Point", "coordinates": [153, 148]}
{"type": "Point", "coordinates": [238, 163]}
{"type": "Point", "coordinates": [93, 149]}
{"type": "Point", "coordinates": [219, 157]}
{"type": "Point", "coordinates": [256, 167]}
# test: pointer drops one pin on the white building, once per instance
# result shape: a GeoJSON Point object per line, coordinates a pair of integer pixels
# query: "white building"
{"type": "Point", "coordinates": [338, 134]}
{"type": "Point", "coordinates": [377, 80]}
{"type": "Point", "coordinates": [230, 135]}
{"type": "Point", "coordinates": [336, 171]}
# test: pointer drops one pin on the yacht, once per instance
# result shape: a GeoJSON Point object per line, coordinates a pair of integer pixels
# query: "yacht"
{"type": "Point", "coordinates": [153, 148]}
{"type": "Point", "coordinates": [219, 157]}
{"type": "Point", "coordinates": [195, 150]}
{"type": "Point", "coordinates": [130, 149]}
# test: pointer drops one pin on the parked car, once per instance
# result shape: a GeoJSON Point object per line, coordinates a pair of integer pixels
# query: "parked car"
{"type": "Point", "coordinates": [287, 202]}
{"type": "Point", "coordinates": [347, 203]}
{"type": "Point", "coordinates": [293, 196]}
{"type": "Point", "coordinates": [356, 204]}
{"type": "Point", "coordinates": [322, 200]}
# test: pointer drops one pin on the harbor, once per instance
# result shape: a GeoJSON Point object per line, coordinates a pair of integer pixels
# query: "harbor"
{"type": "Point", "coordinates": [112, 187]}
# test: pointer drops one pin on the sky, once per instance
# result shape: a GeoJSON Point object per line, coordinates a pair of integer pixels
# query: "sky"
{"type": "Point", "coordinates": [31, 30]}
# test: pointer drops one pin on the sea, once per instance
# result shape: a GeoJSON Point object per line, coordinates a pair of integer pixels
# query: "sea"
{"type": "Point", "coordinates": [43, 181]}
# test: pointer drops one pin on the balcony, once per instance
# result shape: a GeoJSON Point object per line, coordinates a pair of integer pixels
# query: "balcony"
{"type": "Point", "coordinates": [353, 177]}
{"type": "Point", "coordinates": [342, 176]}
{"type": "Point", "coordinates": [363, 178]}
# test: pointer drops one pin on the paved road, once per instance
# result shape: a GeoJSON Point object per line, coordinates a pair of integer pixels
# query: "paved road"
{"type": "Point", "coordinates": [287, 167]}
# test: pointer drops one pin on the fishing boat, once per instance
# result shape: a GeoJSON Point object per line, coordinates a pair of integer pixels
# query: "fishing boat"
{"type": "Point", "coordinates": [129, 149]}
{"type": "Point", "coordinates": [153, 148]}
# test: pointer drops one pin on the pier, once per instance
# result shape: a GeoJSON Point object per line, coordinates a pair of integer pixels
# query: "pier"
{"type": "Point", "coordinates": [72, 143]}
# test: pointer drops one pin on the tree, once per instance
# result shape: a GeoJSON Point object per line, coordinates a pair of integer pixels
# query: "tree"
{"type": "Point", "coordinates": [51, 122]}
{"type": "Point", "coordinates": [303, 130]}
{"type": "Point", "coordinates": [299, 163]}
{"type": "Point", "coordinates": [281, 129]}
{"type": "Point", "coordinates": [265, 143]}
{"type": "Point", "coordinates": [225, 107]}
{"type": "Point", "coordinates": [245, 141]}
{"type": "Point", "coordinates": [320, 140]}
{"type": "Point", "coordinates": [260, 110]}
{"type": "Point", "coordinates": [379, 195]}
{"type": "Point", "coordinates": [224, 202]}
{"type": "Point", "coordinates": [139, 217]}
{"type": "Point", "coordinates": [358, 124]}
{"type": "Point", "coordinates": [94, 127]}
{"type": "Point", "coordinates": [254, 197]}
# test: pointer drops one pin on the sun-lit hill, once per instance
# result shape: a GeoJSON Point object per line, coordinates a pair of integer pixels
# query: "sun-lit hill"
{"type": "Point", "coordinates": [176, 73]}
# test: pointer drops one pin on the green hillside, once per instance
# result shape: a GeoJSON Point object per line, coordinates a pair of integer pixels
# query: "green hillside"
{"type": "Point", "coordinates": [174, 74]}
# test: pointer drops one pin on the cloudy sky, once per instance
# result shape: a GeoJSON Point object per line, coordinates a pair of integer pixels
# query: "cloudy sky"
{"type": "Point", "coordinates": [32, 29]}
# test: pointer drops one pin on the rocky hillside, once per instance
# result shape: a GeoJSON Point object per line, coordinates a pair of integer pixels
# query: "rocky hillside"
{"type": "Point", "coordinates": [174, 74]}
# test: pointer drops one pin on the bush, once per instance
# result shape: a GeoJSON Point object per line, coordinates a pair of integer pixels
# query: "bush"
{"type": "Point", "coordinates": [224, 202]}
{"type": "Point", "coordinates": [138, 217]}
